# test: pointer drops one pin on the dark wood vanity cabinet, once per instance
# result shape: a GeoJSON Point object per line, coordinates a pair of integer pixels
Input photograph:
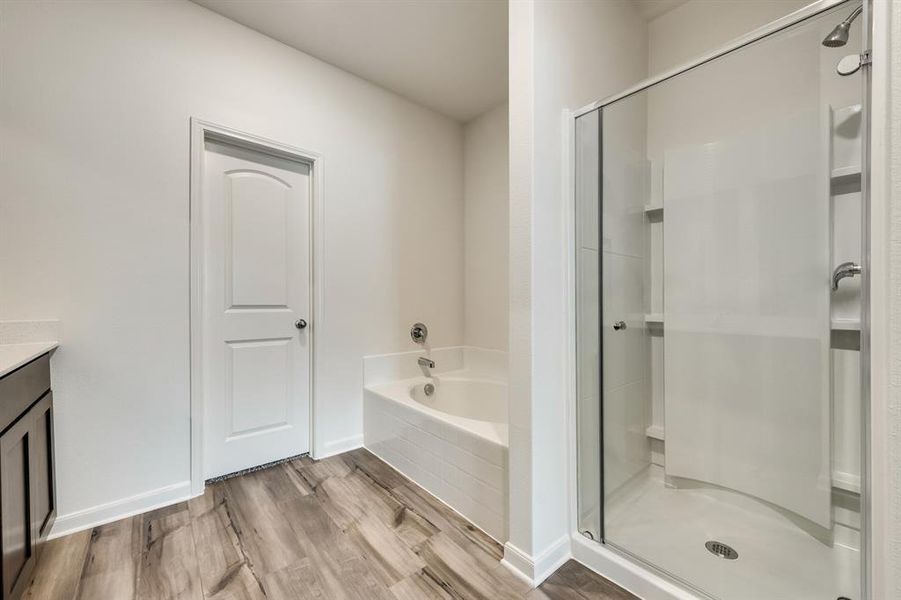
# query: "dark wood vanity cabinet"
{"type": "Point", "coordinates": [44, 505]}
{"type": "Point", "coordinates": [27, 483]}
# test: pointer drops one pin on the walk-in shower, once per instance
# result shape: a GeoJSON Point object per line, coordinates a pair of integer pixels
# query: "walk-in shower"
{"type": "Point", "coordinates": [718, 319]}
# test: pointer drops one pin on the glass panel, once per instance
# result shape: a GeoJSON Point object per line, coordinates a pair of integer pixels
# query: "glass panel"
{"type": "Point", "coordinates": [729, 421]}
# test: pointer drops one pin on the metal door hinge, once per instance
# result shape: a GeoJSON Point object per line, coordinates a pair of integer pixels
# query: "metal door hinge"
{"type": "Point", "coordinates": [865, 58]}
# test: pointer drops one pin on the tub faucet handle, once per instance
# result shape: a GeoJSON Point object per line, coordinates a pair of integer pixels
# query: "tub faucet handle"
{"type": "Point", "coordinates": [419, 333]}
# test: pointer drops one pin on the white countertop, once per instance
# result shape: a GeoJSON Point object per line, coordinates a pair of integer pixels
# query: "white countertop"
{"type": "Point", "coordinates": [13, 356]}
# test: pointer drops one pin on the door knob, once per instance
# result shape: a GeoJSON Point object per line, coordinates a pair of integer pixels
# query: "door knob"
{"type": "Point", "coordinates": [300, 324]}
{"type": "Point", "coordinates": [619, 325]}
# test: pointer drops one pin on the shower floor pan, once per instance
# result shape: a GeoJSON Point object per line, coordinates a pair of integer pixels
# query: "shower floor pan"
{"type": "Point", "coordinates": [669, 527]}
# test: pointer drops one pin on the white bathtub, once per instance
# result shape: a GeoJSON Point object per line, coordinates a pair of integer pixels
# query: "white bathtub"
{"type": "Point", "coordinates": [452, 443]}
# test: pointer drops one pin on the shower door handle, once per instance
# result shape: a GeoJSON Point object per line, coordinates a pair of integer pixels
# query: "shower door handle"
{"type": "Point", "coordinates": [619, 325]}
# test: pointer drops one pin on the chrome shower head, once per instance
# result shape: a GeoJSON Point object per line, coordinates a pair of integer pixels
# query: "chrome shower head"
{"type": "Point", "coordinates": [839, 36]}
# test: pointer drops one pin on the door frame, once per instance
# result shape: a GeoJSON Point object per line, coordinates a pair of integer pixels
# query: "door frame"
{"type": "Point", "coordinates": [201, 132]}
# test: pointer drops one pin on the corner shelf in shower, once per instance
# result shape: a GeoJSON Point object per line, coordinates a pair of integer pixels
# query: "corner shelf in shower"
{"type": "Point", "coordinates": [653, 319]}
{"type": "Point", "coordinates": [845, 179]}
{"type": "Point", "coordinates": [837, 324]}
{"type": "Point", "coordinates": [844, 143]}
{"type": "Point", "coordinates": [846, 481]}
{"type": "Point", "coordinates": [845, 324]}
{"type": "Point", "coordinates": [655, 432]}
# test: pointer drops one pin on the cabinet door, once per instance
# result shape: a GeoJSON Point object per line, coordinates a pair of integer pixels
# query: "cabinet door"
{"type": "Point", "coordinates": [15, 506]}
{"type": "Point", "coordinates": [43, 506]}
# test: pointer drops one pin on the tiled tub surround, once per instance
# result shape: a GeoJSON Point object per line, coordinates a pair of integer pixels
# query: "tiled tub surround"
{"type": "Point", "coordinates": [457, 456]}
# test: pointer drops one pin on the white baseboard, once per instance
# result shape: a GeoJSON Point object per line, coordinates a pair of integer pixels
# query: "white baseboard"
{"type": "Point", "coordinates": [164, 496]}
{"type": "Point", "coordinates": [626, 573]}
{"type": "Point", "coordinates": [338, 446]}
{"type": "Point", "coordinates": [120, 509]}
{"type": "Point", "coordinates": [552, 559]}
{"type": "Point", "coordinates": [535, 570]}
{"type": "Point", "coordinates": [519, 563]}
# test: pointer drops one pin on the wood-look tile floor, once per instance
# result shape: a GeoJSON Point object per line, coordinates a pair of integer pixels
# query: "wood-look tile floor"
{"type": "Point", "coordinates": [347, 527]}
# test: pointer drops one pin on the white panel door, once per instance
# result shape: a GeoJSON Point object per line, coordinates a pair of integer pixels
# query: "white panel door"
{"type": "Point", "coordinates": [256, 281]}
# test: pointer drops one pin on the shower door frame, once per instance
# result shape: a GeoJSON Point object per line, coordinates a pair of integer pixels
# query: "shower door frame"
{"type": "Point", "coordinates": [622, 565]}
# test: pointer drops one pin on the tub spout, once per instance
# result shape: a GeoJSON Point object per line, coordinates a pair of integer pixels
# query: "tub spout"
{"type": "Point", "coordinates": [426, 362]}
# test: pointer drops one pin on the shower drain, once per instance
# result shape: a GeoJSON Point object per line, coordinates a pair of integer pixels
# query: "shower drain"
{"type": "Point", "coordinates": [722, 550]}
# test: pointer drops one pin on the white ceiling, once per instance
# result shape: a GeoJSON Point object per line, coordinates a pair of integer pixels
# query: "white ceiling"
{"type": "Point", "coordinates": [448, 55]}
{"type": "Point", "coordinates": [651, 9]}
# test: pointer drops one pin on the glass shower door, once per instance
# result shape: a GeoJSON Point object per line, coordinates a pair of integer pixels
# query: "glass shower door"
{"type": "Point", "coordinates": [712, 387]}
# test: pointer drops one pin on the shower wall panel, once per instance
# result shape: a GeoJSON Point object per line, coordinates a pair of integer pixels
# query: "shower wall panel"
{"type": "Point", "coordinates": [747, 329]}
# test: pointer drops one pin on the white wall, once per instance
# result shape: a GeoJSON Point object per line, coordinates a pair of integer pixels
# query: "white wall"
{"type": "Point", "coordinates": [95, 111]}
{"type": "Point", "coordinates": [894, 421]}
{"type": "Point", "coordinates": [486, 199]}
{"type": "Point", "coordinates": [699, 26]}
{"type": "Point", "coordinates": [562, 55]}
{"type": "Point", "coordinates": [886, 302]}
